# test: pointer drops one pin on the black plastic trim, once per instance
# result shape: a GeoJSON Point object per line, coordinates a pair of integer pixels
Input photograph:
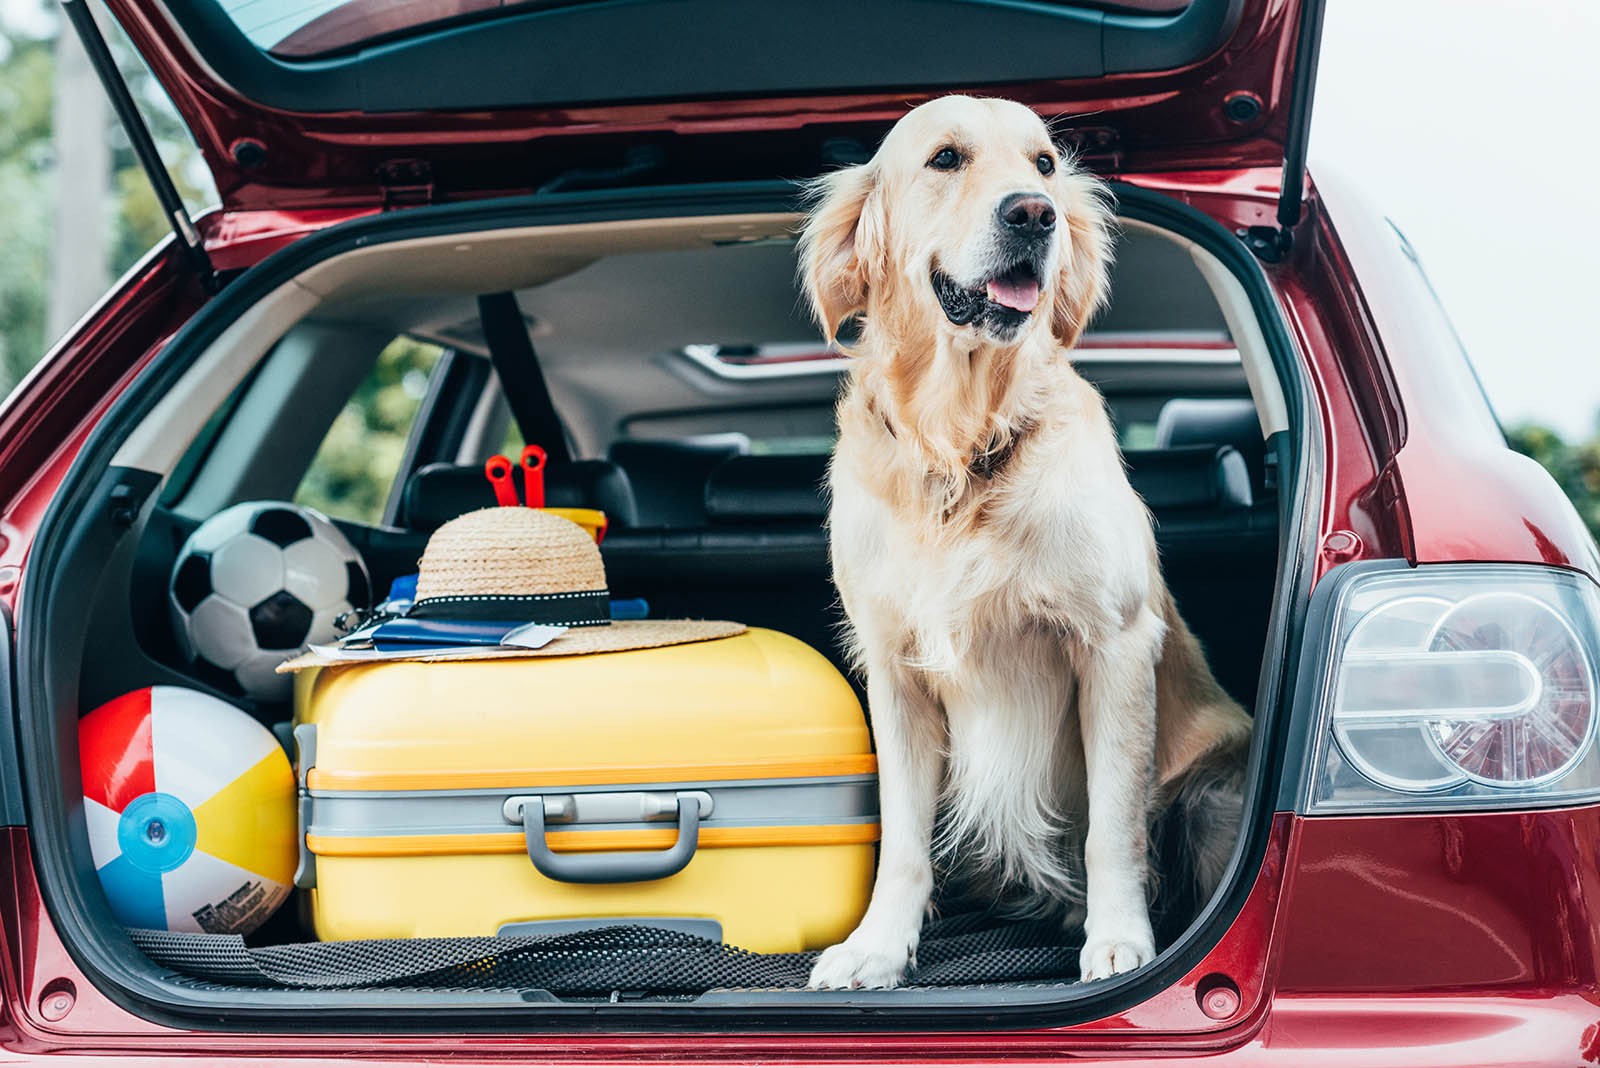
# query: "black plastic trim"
{"type": "Point", "coordinates": [1308, 46]}
{"type": "Point", "coordinates": [98, 945]}
{"type": "Point", "coordinates": [569, 53]}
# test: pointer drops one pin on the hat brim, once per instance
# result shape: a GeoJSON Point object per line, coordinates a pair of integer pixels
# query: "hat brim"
{"type": "Point", "coordinates": [617, 637]}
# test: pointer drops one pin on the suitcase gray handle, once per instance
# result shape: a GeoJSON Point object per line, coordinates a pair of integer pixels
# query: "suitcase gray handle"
{"type": "Point", "coordinates": [620, 867]}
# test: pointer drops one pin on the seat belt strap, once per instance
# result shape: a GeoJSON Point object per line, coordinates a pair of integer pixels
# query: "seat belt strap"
{"type": "Point", "coordinates": [521, 379]}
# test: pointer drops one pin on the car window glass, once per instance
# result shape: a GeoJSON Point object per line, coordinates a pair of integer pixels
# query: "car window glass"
{"type": "Point", "coordinates": [1136, 434]}
{"type": "Point", "coordinates": [1439, 319]}
{"type": "Point", "coordinates": [355, 467]}
{"type": "Point", "coordinates": [769, 431]}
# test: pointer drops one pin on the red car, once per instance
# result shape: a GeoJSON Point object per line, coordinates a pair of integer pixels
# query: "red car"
{"type": "Point", "coordinates": [1408, 608]}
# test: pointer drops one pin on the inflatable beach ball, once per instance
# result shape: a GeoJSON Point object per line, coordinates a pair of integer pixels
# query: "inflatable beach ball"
{"type": "Point", "coordinates": [191, 811]}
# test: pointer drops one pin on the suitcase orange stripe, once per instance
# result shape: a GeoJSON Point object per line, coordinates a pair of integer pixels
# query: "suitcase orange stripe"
{"type": "Point", "coordinates": [427, 845]}
{"type": "Point", "coordinates": [320, 779]}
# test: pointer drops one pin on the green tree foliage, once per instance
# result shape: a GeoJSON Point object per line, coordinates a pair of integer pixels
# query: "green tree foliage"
{"type": "Point", "coordinates": [1575, 466]}
{"type": "Point", "coordinates": [25, 203]}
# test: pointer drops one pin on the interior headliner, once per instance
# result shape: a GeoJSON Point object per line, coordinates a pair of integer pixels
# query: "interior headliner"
{"type": "Point", "coordinates": [610, 328]}
{"type": "Point", "coordinates": [611, 305]}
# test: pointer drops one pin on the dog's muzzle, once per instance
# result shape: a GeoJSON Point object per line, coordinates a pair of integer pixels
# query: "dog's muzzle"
{"type": "Point", "coordinates": [1000, 304]}
{"type": "Point", "coordinates": [1024, 230]}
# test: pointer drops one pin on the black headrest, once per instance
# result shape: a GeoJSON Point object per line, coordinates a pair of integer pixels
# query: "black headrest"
{"type": "Point", "coordinates": [1208, 421]}
{"type": "Point", "coordinates": [767, 488]}
{"type": "Point", "coordinates": [1194, 476]}
{"type": "Point", "coordinates": [669, 477]}
{"type": "Point", "coordinates": [439, 492]}
{"type": "Point", "coordinates": [1215, 421]}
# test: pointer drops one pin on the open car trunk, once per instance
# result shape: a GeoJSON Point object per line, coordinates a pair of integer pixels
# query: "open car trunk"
{"type": "Point", "coordinates": [1192, 356]}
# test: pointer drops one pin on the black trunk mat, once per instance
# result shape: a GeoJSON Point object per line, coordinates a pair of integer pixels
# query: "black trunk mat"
{"type": "Point", "coordinates": [969, 949]}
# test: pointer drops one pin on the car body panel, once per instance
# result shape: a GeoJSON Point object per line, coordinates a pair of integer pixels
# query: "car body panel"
{"type": "Point", "coordinates": [270, 156]}
{"type": "Point", "coordinates": [1503, 903]}
{"type": "Point", "coordinates": [1368, 949]}
{"type": "Point", "coordinates": [1430, 909]}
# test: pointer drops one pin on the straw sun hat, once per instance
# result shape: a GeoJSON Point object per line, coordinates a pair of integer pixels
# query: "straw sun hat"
{"type": "Point", "coordinates": [527, 565]}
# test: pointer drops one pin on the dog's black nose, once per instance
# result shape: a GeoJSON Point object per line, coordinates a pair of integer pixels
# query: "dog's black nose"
{"type": "Point", "coordinates": [1028, 213]}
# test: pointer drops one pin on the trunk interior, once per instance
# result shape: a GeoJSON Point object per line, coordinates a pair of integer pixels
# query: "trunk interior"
{"type": "Point", "coordinates": [353, 374]}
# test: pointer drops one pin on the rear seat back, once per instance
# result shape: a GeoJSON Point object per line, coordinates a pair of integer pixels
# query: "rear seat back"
{"type": "Point", "coordinates": [758, 551]}
{"type": "Point", "coordinates": [762, 555]}
{"type": "Point", "coordinates": [440, 492]}
{"type": "Point", "coordinates": [669, 477]}
{"type": "Point", "coordinates": [764, 489]}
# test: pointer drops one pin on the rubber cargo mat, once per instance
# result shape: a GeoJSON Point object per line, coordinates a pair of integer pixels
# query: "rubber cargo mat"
{"type": "Point", "coordinates": [969, 949]}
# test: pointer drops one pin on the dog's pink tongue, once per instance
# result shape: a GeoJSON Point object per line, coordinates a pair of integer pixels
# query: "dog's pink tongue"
{"type": "Point", "coordinates": [1018, 296]}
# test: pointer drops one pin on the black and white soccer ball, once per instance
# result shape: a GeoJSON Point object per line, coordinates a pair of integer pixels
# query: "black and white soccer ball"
{"type": "Point", "coordinates": [257, 583]}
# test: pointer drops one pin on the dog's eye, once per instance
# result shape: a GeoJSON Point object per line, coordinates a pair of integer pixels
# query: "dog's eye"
{"type": "Point", "coordinates": [946, 159]}
{"type": "Point", "coordinates": [1046, 163]}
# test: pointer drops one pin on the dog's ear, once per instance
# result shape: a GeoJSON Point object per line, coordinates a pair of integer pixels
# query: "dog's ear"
{"type": "Point", "coordinates": [841, 249]}
{"type": "Point", "coordinates": [1081, 281]}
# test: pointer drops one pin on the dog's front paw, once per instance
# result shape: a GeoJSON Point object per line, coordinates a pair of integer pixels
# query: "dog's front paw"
{"type": "Point", "coordinates": [1123, 952]}
{"type": "Point", "coordinates": [863, 964]}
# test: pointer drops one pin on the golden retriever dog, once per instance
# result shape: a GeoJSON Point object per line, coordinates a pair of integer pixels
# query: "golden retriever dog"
{"type": "Point", "coordinates": [1028, 677]}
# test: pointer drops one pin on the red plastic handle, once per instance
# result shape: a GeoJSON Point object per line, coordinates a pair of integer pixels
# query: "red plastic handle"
{"type": "Point", "coordinates": [498, 471]}
{"type": "Point", "coordinates": [533, 459]}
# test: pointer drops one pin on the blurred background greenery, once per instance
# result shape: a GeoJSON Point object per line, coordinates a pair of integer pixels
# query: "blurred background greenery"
{"type": "Point", "coordinates": [1575, 465]}
{"type": "Point", "coordinates": [355, 465]}
{"type": "Point", "coordinates": [28, 181]}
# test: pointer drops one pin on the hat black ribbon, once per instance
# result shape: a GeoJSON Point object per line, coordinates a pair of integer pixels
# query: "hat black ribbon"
{"type": "Point", "coordinates": [580, 608]}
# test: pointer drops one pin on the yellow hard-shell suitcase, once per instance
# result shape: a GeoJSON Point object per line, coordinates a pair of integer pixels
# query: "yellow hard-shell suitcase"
{"type": "Point", "coordinates": [722, 787]}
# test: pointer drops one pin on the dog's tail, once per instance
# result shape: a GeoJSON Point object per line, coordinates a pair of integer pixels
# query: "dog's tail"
{"type": "Point", "coordinates": [1202, 752]}
{"type": "Point", "coordinates": [1193, 836]}
{"type": "Point", "coordinates": [1205, 814]}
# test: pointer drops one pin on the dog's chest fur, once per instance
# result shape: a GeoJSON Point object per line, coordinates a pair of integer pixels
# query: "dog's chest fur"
{"type": "Point", "coordinates": [1055, 539]}
{"type": "Point", "coordinates": [985, 602]}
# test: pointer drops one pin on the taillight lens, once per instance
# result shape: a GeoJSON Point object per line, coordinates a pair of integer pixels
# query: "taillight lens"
{"type": "Point", "coordinates": [1460, 686]}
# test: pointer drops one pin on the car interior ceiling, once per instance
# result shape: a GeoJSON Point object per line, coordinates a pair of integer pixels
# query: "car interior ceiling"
{"type": "Point", "coordinates": [703, 524]}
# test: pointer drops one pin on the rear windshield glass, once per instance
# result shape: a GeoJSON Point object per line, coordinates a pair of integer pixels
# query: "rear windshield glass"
{"type": "Point", "coordinates": [298, 29]}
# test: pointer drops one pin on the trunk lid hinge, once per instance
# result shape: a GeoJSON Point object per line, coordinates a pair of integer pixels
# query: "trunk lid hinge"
{"type": "Point", "coordinates": [144, 146]}
{"type": "Point", "coordinates": [1271, 244]}
{"type": "Point", "coordinates": [407, 183]}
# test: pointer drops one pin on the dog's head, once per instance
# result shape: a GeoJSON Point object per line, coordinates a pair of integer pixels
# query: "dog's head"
{"type": "Point", "coordinates": [969, 214]}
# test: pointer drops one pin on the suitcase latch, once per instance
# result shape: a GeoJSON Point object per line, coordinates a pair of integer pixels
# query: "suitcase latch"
{"type": "Point", "coordinates": [650, 806]}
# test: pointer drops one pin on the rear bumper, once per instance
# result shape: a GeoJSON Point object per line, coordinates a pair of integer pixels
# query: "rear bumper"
{"type": "Point", "coordinates": [1425, 940]}
{"type": "Point", "coordinates": [1298, 1032]}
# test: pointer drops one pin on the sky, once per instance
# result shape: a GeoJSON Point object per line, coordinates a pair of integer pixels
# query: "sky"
{"type": "Point", "coordinates": [27, 16]}
{"type": "Point", "coordinates": [1471, 123]}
